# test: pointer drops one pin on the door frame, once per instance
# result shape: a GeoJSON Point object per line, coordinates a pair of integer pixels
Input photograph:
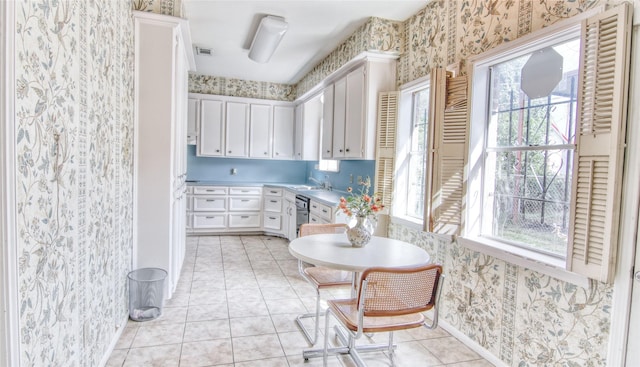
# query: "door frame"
{"type": "Point", "coordinates": [9, 325]}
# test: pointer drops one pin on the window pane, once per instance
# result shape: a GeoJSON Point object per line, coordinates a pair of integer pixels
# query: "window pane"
{"type": "Point", "coordinates": [419, 140]}
{"type": "Point", "coordinates": [532, 196]}
{"type": "Point", "coordinates": [529, 156]}
{"type": "Point", "coordinates": [415, 192]}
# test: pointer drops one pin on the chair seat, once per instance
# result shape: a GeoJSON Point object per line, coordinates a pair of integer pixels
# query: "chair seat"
{"type": "Point", "coordinates": [346, 311]}
{"type": "Point", "coordinates": [325, 277]}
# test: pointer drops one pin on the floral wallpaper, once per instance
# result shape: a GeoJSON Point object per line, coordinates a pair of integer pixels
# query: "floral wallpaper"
{"type": "Point", "coordinates": [74, 120]}
{"type": "Point", "coordinates": [240, 88]}
{"type": "Point", "coordinates": [522, 317]}
{"type": "Point", "coordinates": [376, 34]}
{"type": "Point", "coordinates": [166, 7]}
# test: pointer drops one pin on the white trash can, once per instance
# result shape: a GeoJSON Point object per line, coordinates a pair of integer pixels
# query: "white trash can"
{"type": "Point", "coordinates": [146, 293]}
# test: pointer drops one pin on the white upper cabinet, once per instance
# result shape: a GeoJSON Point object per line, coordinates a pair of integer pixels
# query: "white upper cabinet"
{"type": "Point", "coordinates": [327, 123]}
{"type": "Point", "coordinates": [193, 118]}
{"type": "Point", "coordinates": [339, 117]}
{"type": "Point", "coordinates": [260, 131]}
{"type": "Point", "coordinates": [212, 126]}
{"type": "Point", "coordinates": [244, 127]}
{"type": "Point", "coordinates": [308, 120]}
{"type": "Point", "coordinates": [354, 131]}
{"type": "Point", "coordinates": [237, 123]}
{"type": "Point", "coordinates": [350, 110]}
{"type": "Point", "coordinates": [283, 127]}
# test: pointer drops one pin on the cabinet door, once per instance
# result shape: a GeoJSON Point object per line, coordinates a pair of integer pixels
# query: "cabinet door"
{"type": "Point", "coordinates": [283, 126]}
{"type": "Point", "coordinates": [237, 122]}
{"type": "Point", "coordinates": [354, 122]}
{"type": "Point", "coordinates": [339, 117]}
{"type": "Point", "coordinates": [260, 131]}
{"type": "Point", "coordinates": [327, 123]}
{"type": "Point", "coordinates": [312, 117]}
{"type": "Point", "coordinates": [193, 107]}
{"type": "Point", "coordinates": [299, 132]}
{"type": "Point", "coordinates": [210, 139]}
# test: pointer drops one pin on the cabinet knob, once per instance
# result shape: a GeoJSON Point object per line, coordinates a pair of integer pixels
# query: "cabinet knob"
{"type": "Point", "coordinates": [265, 153]}
{"type": "Point", "coordinates": [277, 153]}
{"type": "Point", "coordinates": [340, 151]}
{"type": "Point", "coordinates": [229, 151]}
{"type": "Point", "coordinates": [346, 150]}
{"type": "Point", "coordinates": [328, 151]}
{"type": "Point", "coordinates": [217, 150]}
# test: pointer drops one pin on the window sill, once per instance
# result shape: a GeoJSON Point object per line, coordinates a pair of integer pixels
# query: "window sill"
{"type": "Point", "coordinates": [542, 263]}
{"type": "Point", "coordinates": [409, 222]}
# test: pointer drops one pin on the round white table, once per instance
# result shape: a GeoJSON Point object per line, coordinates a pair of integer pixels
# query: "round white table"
{"type": "Point", "coordinates": [335, 251]}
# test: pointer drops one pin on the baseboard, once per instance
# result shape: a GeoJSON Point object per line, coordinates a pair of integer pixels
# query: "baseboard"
{"type": "Point", "coordinates": [114, 341]}
{"type": "Point", "coordinates": [472, 344]}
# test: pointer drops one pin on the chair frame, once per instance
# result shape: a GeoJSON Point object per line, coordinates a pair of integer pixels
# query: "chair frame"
{"type": "Point", "coordinates": [350, 343]}
{"type": "Point", "coordinates": [306, 230]}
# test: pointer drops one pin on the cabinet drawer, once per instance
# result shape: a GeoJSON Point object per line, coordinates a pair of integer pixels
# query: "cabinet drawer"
{"type": "Point", "coordinates": [272, 204]}
{"type": "Point", "coordinates": [244, 220]}
{"type": "Point", "coordinates": [244, 203]}
{"type": "Point", "coordinates": [321, 210]}
{"type": "Point", "coordinates": [290, 195]}
{"type": "Point", "coordinates": [209, 221]}
{"type": "Point", "coordinates": [271, 191]}
{"type": "Point", "coordinates": [206, 204]}
{"type": "Point", "coordinates": [273, 222]}
{"type": "Point", "coordinates": [313, 218]}
{"type": "Point", "coordinates": [245, 191]}
{"type": "Point", "coordinates": [209, 190]}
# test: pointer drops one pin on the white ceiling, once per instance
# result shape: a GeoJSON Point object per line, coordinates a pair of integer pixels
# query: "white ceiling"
{"type": "Point", "coordinates": [315, 29]}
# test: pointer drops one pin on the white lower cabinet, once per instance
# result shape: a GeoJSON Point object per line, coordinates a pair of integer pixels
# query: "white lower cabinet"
{"type": "Point", "coordinates": [289, 215]}
{"type": "Point", "coordinates": [209, 221]}
{"type": "Point", "coordinates": [223, 209]}
{"type": "Point", "coordinates": [272, 210]}
{"type": "Point", "coordinates": [244, 220]}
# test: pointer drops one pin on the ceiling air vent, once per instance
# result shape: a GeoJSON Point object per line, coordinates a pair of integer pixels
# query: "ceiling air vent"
{"type": "Point", "coordinates": [200, 51]}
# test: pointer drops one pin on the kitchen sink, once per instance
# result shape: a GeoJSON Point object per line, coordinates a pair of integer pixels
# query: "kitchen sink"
{"type": "Point", "coordinates": [306, 187]}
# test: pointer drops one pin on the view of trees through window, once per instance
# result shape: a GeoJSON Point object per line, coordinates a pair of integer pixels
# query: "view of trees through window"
{"type": "Point", "coordinates": [418, 154]}
{"type": "Point", "coordinates": [529, 154]}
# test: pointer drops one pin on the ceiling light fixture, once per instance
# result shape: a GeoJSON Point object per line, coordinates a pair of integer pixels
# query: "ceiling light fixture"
{"type": "Point", "coordinates": [267, 37]}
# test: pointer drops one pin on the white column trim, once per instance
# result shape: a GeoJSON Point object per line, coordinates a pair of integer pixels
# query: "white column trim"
{"type": "Point", "coordinates": [9, 325]}
{"type": "Point", "coordinates": [627, 240]}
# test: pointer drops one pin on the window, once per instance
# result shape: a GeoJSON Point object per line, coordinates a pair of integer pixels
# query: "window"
{"type": "Point", "coordinates": [546, 145]}
{"type": "Point", "coordinates": [529, 149]}
{"type": "Point", "coordinates": [413, 142]}
{"type": "Point", "coordinates": [329, 165]}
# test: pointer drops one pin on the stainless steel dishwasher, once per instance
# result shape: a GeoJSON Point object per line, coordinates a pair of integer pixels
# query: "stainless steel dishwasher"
{"type": "Point", "coordinates": [302, 211]}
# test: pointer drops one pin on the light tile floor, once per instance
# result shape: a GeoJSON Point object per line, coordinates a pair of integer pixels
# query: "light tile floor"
{"type": "Point", "coordinates": [235, 306]}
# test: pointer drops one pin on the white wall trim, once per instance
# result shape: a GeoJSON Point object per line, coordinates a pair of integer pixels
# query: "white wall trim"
{"type": "Point", "coordinates": [9, 326]}
{"type": "Point", "coordinates": [472, 344]}
{"type": "Point", "coordinates": [627, 240]}
{"type": "Point", "coordinates": [114, 341]}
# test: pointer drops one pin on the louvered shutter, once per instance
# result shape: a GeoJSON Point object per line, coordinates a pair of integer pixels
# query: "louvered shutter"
{"type": "Point", "coordinates": [597, 167]}
{"type": "Point", "coordinates": [448, 154]}
{"type": "Point", "coordinates": [386, 145]}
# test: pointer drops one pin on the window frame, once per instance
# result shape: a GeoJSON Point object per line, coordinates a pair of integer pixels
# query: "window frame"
{"type": "Point", "coordinates": [403, 151]}
{"type": "Point", "coordinates": [479, 111]}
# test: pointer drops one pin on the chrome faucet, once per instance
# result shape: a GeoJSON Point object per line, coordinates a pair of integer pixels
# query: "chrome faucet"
{"type": "Point", "coordinates": [327, 184]}
{"type": "Point", "coordinates": [311, 178]}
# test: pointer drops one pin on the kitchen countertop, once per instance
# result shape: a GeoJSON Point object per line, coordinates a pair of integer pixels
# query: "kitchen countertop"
{"type": "Point", "coordinates": [324, 196]}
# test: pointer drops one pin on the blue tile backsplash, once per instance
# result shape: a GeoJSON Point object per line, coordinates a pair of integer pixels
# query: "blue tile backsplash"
{"type": "Point", "coordinates": [272, 171]}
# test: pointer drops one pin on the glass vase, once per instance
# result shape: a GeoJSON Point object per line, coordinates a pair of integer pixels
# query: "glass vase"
{"type": "Point", "coordinates": [360, 230]}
